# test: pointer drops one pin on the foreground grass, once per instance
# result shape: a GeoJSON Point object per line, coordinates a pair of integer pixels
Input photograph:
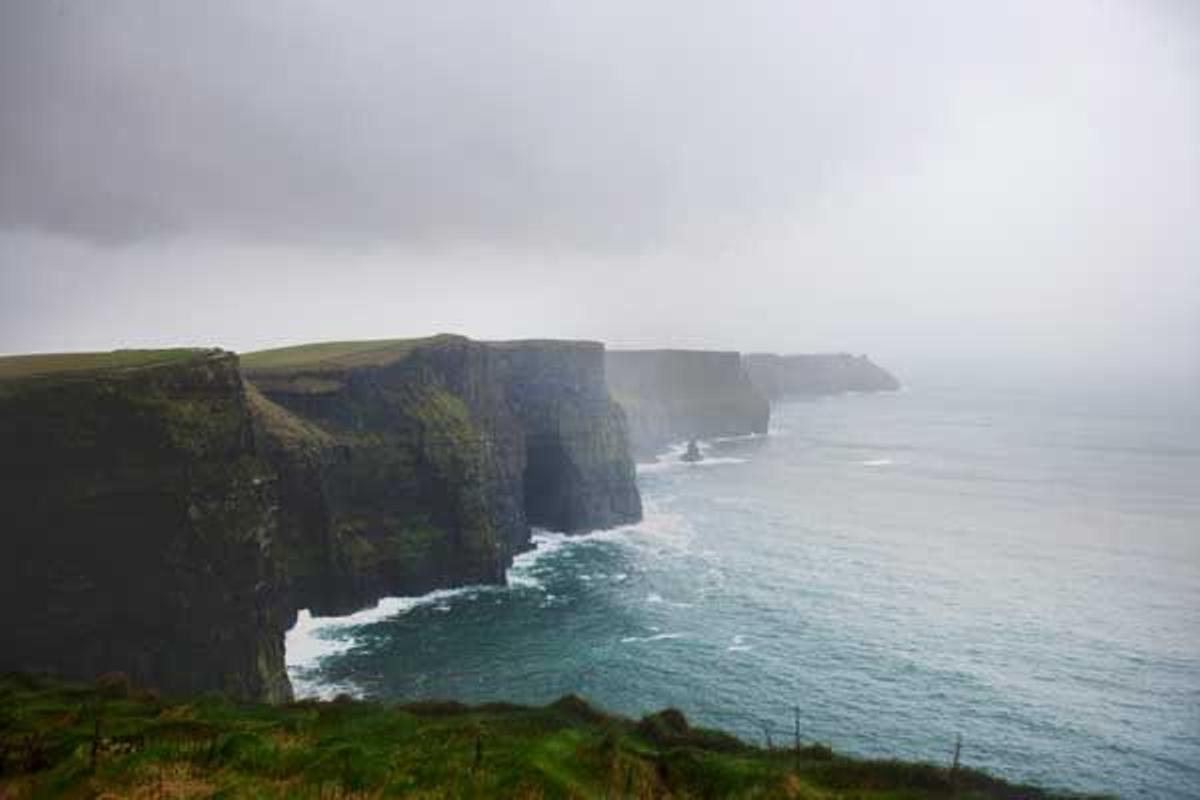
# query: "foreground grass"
{"type": "Point", "coordinates": [58, 740]}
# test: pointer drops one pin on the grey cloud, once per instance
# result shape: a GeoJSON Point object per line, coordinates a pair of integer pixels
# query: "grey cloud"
{"type": "Point", "coordinates": [996, 180]}
{"type": "Point", "coordinates": [598, 124]}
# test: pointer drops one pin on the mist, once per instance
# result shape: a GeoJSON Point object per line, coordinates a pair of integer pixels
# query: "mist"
{"type": "Point", "coordinates": [973, 184]}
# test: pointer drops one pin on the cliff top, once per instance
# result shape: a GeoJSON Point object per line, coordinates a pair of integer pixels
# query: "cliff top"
{"type": "Point", "coordinates": [662, 351]}
{"type": "Point", "coordinates": [47, 364]}
{"type": "Point", "coordinates": [809, 356]}
{"type": "Point", "coordinates": [545, 344]}
{"type": "Point", "coordinates": [337, 355]}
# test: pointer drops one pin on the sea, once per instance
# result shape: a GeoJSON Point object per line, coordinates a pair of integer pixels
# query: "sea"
{"type": "Point", "coordinates": [1015, 568]}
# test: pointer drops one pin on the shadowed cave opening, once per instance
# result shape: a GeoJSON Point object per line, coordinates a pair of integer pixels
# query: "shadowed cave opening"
{"type": "Point", "coordinates": [550, 480]}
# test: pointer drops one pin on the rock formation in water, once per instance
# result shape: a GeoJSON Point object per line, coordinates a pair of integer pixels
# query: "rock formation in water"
{"type": "Point", "coordinates": [166, 518]}
{"type": "Point", "coordinates": [692, 454]}
{"type": "Point", "coordinates": [777, 377]}
{"type": "Point", "coordinates": [671, 395]}
{"type": "Point", "coordinates": [138, 529]}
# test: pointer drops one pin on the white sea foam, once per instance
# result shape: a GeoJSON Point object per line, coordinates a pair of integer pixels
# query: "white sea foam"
{"type": "Point", "coordinates": [317, 636]}
{"type": "Point", "coordinates": [313, 639]}
{"type": "Point", "coordinates": [741, 437]}
{"type": "Point", "coordinates": [657, 599]}
{"type": "Point", "coordinates": [739, 645]}
{"type": "Point", "coordinates": [672, 462]}
{"type": "Point", "coordinates": [672, 457]}
{"type": "Point", "coordinates": [654, 638]}
{"type": "Point", "coordinates": [876, 462]}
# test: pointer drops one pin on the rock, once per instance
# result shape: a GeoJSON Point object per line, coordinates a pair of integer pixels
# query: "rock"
{"type": "Point", "coordinates": [165, 518]}
{"type": "Point", "coordinates": [424, 464]}
{"type": "Point", "coordinates": [777, 377]}
{"type": "Point", "coordinates": [137, 532]}
{"type": "Point", "coordinates": [693, 453]}
{"type": "Point", "coordinates": [670, 395]}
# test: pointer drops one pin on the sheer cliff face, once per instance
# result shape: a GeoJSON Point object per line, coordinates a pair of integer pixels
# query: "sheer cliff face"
{"type": "Point", "coordinates": [777, 377]}
{"type": "Point", "coordinates": [432, 459]}
{"type": "Point", "coordinates": [165, 518]}
{"type": "Point", "coordinates": [671, 395]}
{"type": "Point", "coordinates": [137, 529]}
{"type": "Point", "coordinates": [578, 473]}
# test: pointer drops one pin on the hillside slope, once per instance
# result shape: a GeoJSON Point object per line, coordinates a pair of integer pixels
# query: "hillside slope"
{"type": "Point", "coordinates": [64, 741]}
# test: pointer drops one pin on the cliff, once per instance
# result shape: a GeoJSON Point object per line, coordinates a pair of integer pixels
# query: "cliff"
{"type": "Point", "coordinates": [671, 395]}
{"type": "Point", "coordinates": [166, 518]}
{"type": "Point", "coordinates": [777, 377]}
{"type": "Point", "coordinates": [412, 464]}
{"type": "Point", "coordinates": [137, 528]}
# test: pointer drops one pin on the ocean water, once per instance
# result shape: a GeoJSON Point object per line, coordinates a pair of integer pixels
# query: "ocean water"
{"type": "Point", "coordinates": [1019, 568]}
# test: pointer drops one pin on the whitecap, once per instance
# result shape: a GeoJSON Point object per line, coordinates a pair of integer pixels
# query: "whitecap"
{"type": "Point", "coordinates": [876, 462]}
{"type": "Point", "coordinates": [654, 638]}
{"type": "Point", "coordinates": [313, 639]}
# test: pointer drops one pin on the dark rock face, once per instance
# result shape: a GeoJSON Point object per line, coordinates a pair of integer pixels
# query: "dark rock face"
{"type": "Point", "coordinates": [671, 395]}
{"type": "Point", "coordinates": [578, 473]}
{"type": "Point", "coordinates": [137, 533]}
{"type": "Point", "coordinates": [426, 470]}
{"type": "Point", "coordinates": [167, 521]}
{"type": "Point", "coordinates": [777, 377]}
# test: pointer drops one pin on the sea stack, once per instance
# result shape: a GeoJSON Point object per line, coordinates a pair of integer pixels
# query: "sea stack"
{"type": "Point", "coordinates": [693, 453]}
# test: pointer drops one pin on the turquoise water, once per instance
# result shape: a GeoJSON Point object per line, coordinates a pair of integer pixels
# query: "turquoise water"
{"type": "Point", "coordinates": [1020, 569]}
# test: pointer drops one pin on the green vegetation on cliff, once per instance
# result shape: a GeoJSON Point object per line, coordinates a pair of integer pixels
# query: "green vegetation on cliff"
{"type": "Point", "coordinates": [336, 355]}
{"type": "Point", "coordinates": [43, 364]}
{"type": "Point", "coordinates": [67, 741]}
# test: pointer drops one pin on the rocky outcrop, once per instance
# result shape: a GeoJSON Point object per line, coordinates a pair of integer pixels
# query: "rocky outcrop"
{"type": "Point", "coordinates": [673, 395]}
{"type": "Point", "coordinates": [411, 465]}
{"type": "Point", "coordinates": [138, 528]}
{"type": "Point", "coordinates": [166, 513]}
{"type": "Point", "coordinates": [777, 377]}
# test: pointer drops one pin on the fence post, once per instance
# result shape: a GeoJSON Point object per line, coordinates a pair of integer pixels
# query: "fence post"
{"type": "Point", "coordinates": [796, 739]}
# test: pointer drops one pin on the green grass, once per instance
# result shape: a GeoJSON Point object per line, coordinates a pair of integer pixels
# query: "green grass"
{"type": "Point", "coordinates": [335, 355]}
{"type": "Point", "coordinates": [210, 747]}
{"type": "Point", "coordinates": [32, 366]}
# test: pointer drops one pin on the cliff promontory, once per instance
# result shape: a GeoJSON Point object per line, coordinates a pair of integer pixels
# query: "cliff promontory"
{"type": "Point", "coordinates": [167, 513]}
{"type": "Point", "coordinates": [673, 395]}
{"type": "Point", "coordinates": [407, 465]}
{"type": "Point", "coordinates": [138, 529]}
{"type": "Point", "coordinates": [777, 377]}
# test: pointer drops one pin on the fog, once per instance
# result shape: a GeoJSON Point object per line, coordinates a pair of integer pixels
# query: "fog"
{"type": "Point", "coordinates": [963, 183]}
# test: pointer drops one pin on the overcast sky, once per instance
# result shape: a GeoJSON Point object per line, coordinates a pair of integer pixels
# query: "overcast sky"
{"type": "Point", "coordinates": [1001, 181]}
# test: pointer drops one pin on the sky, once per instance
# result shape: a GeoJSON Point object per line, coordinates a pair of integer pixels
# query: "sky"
{"type": "Point", "coordinates": [956, 182]}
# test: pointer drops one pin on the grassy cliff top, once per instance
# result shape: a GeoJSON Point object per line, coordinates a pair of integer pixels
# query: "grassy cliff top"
{"type": "Point", "coordinates": [545, 344]}
{"type": "Point", "coordinates": [58, 740]}
{"type": "Point", "coordinates": [43, 364]}
{"type": "Point", "coordinates": [338, 355]}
